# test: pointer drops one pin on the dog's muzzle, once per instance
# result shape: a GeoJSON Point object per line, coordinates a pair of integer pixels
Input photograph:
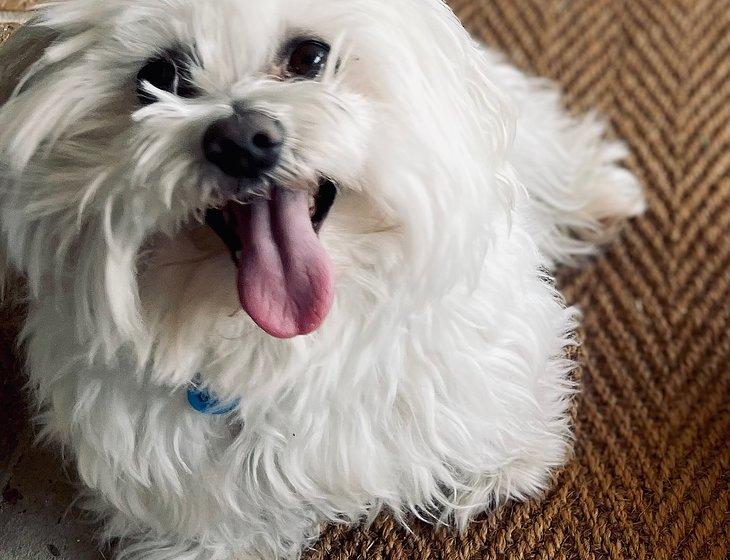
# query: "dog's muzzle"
{"type": "Point", "coordinates": [284, 278]}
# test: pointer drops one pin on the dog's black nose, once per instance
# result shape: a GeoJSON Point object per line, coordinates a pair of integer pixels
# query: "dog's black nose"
{"type": "Point", "coordinates": [244, 145]}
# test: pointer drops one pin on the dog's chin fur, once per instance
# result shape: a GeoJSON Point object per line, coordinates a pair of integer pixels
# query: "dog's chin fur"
{"type": "Point", "coordinates": [438, 385]}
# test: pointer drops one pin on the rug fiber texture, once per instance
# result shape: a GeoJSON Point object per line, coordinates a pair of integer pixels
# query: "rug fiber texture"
{"type": "Point", "coordinates": [650, 479]}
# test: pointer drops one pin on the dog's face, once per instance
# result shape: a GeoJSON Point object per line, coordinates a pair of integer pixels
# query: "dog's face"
{"type": "Point", "coordinates": [170, 164]}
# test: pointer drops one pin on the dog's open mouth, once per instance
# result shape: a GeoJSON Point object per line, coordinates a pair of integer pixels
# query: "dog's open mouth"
{"type": "Point", "coordinates": [285, 278]}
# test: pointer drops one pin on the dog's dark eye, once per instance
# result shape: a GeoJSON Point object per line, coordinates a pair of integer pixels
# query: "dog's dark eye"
{"type": "Point", "coordinates": [308, 58]}
{"type": "Point", "coordinates": [168, 72]}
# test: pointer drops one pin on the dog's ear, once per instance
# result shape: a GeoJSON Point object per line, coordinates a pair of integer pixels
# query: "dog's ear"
{"type": "Point", "coordinates": [19, 53]}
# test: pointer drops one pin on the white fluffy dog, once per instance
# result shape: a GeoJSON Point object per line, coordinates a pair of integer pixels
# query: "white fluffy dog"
{"type": "Point", "coordinates": [288, 264]}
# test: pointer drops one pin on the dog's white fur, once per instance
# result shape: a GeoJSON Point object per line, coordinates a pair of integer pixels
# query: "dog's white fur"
{"type": "Point", "coordinates": [438, 386]}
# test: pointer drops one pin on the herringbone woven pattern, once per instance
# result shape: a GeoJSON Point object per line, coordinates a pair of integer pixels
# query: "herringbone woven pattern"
{"type": "Point", "coordinates": [651, 475]}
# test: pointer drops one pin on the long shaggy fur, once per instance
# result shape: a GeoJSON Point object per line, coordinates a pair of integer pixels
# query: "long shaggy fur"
{"type": "Point", "coordinates": [438, 385]}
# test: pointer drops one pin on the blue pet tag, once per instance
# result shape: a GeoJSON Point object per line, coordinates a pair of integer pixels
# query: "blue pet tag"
{"type": "Point", "coordinates": [205, 402]}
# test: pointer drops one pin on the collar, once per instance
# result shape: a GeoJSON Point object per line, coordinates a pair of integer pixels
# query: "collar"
{"type": "Point", "coordinates": [203, 401]}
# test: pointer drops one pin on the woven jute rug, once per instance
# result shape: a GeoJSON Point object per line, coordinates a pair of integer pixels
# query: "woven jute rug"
{"type": "Point", "coordinates": [650, 478]}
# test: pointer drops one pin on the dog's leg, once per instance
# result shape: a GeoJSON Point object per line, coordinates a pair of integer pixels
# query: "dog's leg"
{"type": "Point", "coordinates": [579, 192]}
{"type": "Point", "coordinates": [150, 549]}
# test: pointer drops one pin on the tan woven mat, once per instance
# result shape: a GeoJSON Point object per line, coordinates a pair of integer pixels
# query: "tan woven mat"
{"type": "Point", "coordinates": [651, 475]}
{"type": "Point", "coordinates": [11, 5]}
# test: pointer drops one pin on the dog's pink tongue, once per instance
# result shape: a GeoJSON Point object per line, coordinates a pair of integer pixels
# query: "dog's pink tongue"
{"type": "Point", "coordinates": [285, 279]}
